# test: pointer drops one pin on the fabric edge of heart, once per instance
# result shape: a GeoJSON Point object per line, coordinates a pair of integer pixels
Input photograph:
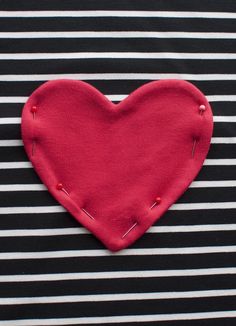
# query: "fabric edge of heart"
{"type": "Point", "coordinates": [114, 244]}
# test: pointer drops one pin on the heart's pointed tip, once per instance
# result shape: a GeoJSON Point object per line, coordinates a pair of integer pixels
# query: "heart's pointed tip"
{"type": "Point", "coordinates": [116, 248]}
{"type": "Point", "coordinates": [117, 244]}
{"type": "Point", "coordinates": [114, 245]}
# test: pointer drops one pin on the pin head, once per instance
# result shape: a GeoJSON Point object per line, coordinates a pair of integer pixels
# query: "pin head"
{"type": "Point", "coordinates": [59, 186]}
{"type": "Point", "coordinates": [158, 200]}
{"type": "Point", "coordinates": [202, 107]}
{"type": "Point", "coordinates": [33, 109]}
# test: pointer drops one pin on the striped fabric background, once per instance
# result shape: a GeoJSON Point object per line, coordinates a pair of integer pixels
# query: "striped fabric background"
{"type": "Point", "coordinates": [183, 271]}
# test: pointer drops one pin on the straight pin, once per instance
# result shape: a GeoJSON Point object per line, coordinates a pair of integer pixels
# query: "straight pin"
{"type": "Point", "coordinates": [194, 147]}
{"type": "Point", "coordinates": [154, 204]}
{"type": "Point", "coordinates": [87, 213]}
{"type": "Point", "coordinates": [64, 190]}
{"type": "Point", "coordinates": [158, 201]}
{"type": "Point", "coordinates": [130, 229]}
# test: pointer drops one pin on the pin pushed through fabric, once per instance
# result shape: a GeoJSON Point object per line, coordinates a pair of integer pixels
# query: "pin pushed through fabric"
{"type": "Point", "coordinates": [34, 110]}
{"type": "Point", "coordinates": [59, 186]}
{"type": "Point", "coordinates": [87, 213]}
{"type": "Point", "coordinates": [130, 229]}
{"type": "Point", "coordinates": [202, 108]}
{"type": "Point", "coordinates": [194, 147]}
{"type": "Point", "coordinates": [157, 202]}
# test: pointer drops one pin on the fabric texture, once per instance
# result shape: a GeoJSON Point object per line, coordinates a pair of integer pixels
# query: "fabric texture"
{"type": "Point", "coordinates": [182, 270]}
{"type": "Point", "coordinates": [113, 160]}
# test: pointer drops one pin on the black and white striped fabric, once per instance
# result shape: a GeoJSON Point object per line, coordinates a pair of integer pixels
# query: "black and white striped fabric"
{"type": "Point", "coordinates": [183, 270]}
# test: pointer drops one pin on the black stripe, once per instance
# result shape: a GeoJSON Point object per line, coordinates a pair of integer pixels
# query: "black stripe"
{"type": "Point", "coordinates": [116, 308]}
{"type": "Point", "coordinates": [115, 24]}
{"type": "Point", "coordinates": [149, 240]}
{"type": "Point", "coordinates": [15, 109]}
{"type": "Point", "coordinates": [117, 45]}
{"type": "Point", "coordinates": [142, 263]}
{"type": "Point", "coordinates": [207, 173]}
{"type": "Point", "coordinates": [153, 284]}
{"type": "Point", "coordinates": [42, 198]}
{"type": "Point", "coordinates": [207, 322]}
{"type": "Point", "coordinates": [57, 220]}
{"type": "Point", "coordinates": [109, 87]}
{"type": "Point", "coordinates": [181, 5]}
{"type": "Point", "coordinates": [117, 66]}
{"type": "Point", "coordinates": [18, 153]}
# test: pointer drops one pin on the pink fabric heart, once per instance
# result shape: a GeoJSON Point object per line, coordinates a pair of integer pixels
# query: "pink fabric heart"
{"type": "Point", "coordinates": [117, 167]}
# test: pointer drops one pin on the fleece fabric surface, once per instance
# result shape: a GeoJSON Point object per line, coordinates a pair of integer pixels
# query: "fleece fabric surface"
{"type": "Point", "coordinates": [117, 167]}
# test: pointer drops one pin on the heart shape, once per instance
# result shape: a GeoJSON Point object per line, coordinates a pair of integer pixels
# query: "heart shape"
{"type": "Point", "coordinates": [117, 167]}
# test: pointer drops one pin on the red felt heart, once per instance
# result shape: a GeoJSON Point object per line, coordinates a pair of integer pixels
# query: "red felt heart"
{"type": "Point", "coordinates": [117, 167]}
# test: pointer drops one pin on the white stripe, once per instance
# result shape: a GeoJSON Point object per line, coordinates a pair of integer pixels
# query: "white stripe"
{"type": "Point", "coordinates": [83, 231]}
{"type": "Point", "coordinates": [117, 55]}
{"type": "Point", "coordinates": [26, 164]}
{"type": "Point", "coordinates": [22, 187]}
{"type": "Point", "coordinates": [221, 98]}
{"type": "Point", "coordinates": [117, 76]}
{"type": "Point", "coordinates": [42, 187]}
{"type": "Point", "coordinates": [32, 210]}
{"type": "Point", "coordinates": [210, 98]}
{"type": "Point", "coordinates": [207, 184]}
{"type": "Point", "coordinates": [117, 297]}
{"type": "Point", "coordinates": [214, 140]}
{"type": "Point", "coordinates": [15, 165]}
{"type": "Point", "coordinates": [43, 232]}
{"type": "Point", "coordinates": [5, 121]}
{"type": "Point", "coordinates": [116, 34]}
{"type": "Point", "coordinates": [118, 13]}
{"type": "Point", "coordinates": [60, 209]}
{"type": "Point", "coordinates": [120, 319]}
{"type": "Point", "coordinates": [13, 99]}
{"type": "Point", "coordinates": [125, 252]}
{"type": "Point", "coordinates": [118, 97]}
{"type": "Point", "coordinates": [197, 206]}
{"type": "Point", "coordinates": [192, 228]}
{"type": "Point", "coordinates": [226, 118]}
{"type": "Point", "coordinates": [223, 140]}
{"type": "Point", "coordinates": [117, 274]}
{"type": "Point", "coordinates": [219, 161]}
{"type": "Point", "coordinates": [217, 118]}
{"type": "Point", "coordinates": [10, 142]}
